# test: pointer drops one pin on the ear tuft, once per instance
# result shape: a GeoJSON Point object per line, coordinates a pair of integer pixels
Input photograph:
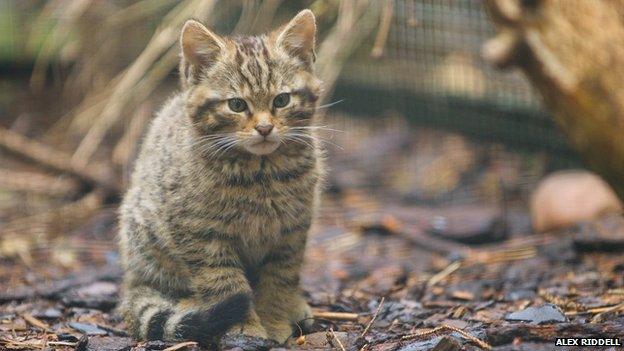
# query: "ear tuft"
{"type": "Point", "coordinates": [298, 37]}
{"type": "Point", "coordinates": [200, 48]}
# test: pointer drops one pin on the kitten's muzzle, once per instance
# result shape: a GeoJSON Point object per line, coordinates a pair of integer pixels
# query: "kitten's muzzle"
{"type": "Point", "coordinates": [264, 129]}
{"type": "Point", "coordinates": [263, 141]}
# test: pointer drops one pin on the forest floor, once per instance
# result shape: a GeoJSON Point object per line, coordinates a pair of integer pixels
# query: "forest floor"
{"type": "Point", "coordinates": [391, 264]}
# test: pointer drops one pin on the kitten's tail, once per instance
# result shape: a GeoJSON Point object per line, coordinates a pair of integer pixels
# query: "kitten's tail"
{"type": "Point", "coordinates": [151, 316]}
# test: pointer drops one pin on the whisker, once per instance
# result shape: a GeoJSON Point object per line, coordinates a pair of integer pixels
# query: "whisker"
{"type": "Point", "coordinates": [322, 140]}
{"type": "Point", "coordinates": [210, 145]}
{"type": "Point", "coordinates": [317, 128]}
{"type": "Point", "coordinates": [330, 104]}
{"type": "Point", "coordinates": [224, 147]}
{"type": "Point", "coordinates": [299, 140]}
{"type": "Point", "coordinates": [205, 138]}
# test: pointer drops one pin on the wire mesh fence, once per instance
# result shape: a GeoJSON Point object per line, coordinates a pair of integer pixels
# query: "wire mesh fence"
{"type": "Point", "coordinates": [431, 71]}
{"type": "Point", "coordinates": [427, 93]}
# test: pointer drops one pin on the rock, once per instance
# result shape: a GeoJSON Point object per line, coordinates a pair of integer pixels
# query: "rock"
{"type": "Point", "coordinates": [109, 343]}
{"type": "Point", "coordinates": [569, 197]}
{"type": "Point", "coordinates": [321, 340]}
{"type": "Point", "coordinates": [403, 311]}
{"type": "Point", "coordinates": [82, 343]}
{"type": "Point", "coordinates": [153, 345]}
{"type": "Point", "coordinates": [547, 313]}
{"type": "Point", "coordinates": [99, 295]}
{"type": "Point", "coordinates": [469, 224]}
{"type": "Point", "coordinates": [98, 289]}
{"type": "Point", "coordinates": [605, 234]}
{"type": "Point", "coordinates": [448, 343]}
{"type": "Point", "coordinates": [67, 337]}
{"type": "Point", "coordinates": [88, 329]}
{"type": "Point", "coordinates": [50, 313]}
{"type": "Point", "coordinates": [246, 343]}
{"type": "Point", "coordinates": [457, 323]}
{"type": "Point", "coordinates": [422, 345]}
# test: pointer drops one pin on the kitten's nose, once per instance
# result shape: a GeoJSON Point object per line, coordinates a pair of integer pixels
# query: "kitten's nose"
{"type": "Point", "coordinates": [264, 129]}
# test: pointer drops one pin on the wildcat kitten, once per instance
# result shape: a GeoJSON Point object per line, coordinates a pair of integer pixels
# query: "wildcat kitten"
{"type": "Point", "coordinates": [214, 225]}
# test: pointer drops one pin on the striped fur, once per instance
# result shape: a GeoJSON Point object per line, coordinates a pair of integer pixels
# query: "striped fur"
{"type": "Point", "coordinates": [212, 236]}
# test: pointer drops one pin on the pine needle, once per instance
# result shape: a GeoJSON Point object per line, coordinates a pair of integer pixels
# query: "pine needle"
{"type": "Point", "coordinates": [381, 302]}
{"type": "Point", "coordinates": [447, 328]}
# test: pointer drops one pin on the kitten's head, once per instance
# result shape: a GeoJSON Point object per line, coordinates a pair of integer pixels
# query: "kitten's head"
{"type": "Point", "coordinates": [253, 93]}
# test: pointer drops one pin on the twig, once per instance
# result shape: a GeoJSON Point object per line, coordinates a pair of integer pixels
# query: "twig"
{"type": "Point", "coordinates": [123, 151]}
{"type": "Point", "coordinates": [337, 340]}
{"type": "Point", "coordinates": [341, 40]}
{"type": "Point", "coordinates": [28, 344]}
{"type": "Point", "coordinates": [35, 322]}
{"type": "Point", "coordinates": [420, 239]}
{"type": "Point", "coordinates": [337, 316]}
{"type": "Point", "coordinates": [37, 183]}
{"type": "Point", "coordinates": [384, 29]}
{"type": "Point", "coordinates": [436, 278]}
{"type": "Point", "coordinates": [62, 343]}
{"type": "Point", "coordinates": [599, 317]}
{"type": "Point", "coordinates": [301, 337]}
{"type": "Point", "coordinates": [597, 310]}
{"type": "Point", "coordinates": [180, 345]}
{"type": "Point", "coordinates": [54, 160]}
{"type": "Point", "coordinates": [446, 328]}
{"type": "Point", "coordinates": [498, 255]}
{"type": "Point", "coordinates": [381, 302]}
{"type": "Point", "coordinates": [563, 303]}
{"type": "Point", "coordinates": [55, 220]}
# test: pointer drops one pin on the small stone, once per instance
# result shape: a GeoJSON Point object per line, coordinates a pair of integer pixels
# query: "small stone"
{"type": "Point", "coordinates": [112, 343]}
{"type": "Point", "coordinates": [246, 343]}
{"type": "Point", "coordinates": [469, 224]}
{"type": "Point", "coordinates": [547, 313]}
{"type": "Point", "coordinates": [421, 345]}
{"type": "Point", "coordinates": [50, 313]}
{"type": "Point", "coordinates": [448, 343]}
{"type": "Point", "coordinates": [88, 329]}
{"type": "Point", "coordinates": [101, 295]}
{"type": "Point", "coordinates": [154, 345]}
{"type": "Point", "coordinates": [69, 337]}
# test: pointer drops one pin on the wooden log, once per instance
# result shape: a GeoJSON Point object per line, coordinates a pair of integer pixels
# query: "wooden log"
{"type": "Point", "coordinates": [573, 54]}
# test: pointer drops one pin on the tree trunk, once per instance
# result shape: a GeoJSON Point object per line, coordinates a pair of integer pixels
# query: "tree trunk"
{"type": "Point", "coordinates": [572, 51]}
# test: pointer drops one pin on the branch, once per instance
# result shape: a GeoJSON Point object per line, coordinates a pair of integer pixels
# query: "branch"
{"type": "Point", "coordinates": [37, 183]}
{"type": "Point", "coordinates": [55, 160]}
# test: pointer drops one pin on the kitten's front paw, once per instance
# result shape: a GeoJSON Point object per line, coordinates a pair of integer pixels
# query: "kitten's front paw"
{"type": "Point", "coordinates": [280, 332]}
{"type": "Point", "coordinates": [300, 320]}
{"type": "Point", "coordinates": [303, 316]}
{"type": "Point", "coordinates": [249, 329]}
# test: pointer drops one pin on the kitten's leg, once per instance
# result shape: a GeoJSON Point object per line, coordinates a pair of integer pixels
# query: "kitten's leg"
{"type": "Point", "coordinates": [218, 273]}
{"type": "Point", "coordinates": [279, 302]}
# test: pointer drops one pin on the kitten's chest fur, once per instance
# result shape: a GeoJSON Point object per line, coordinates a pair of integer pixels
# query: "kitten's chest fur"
{"type": "Point", "coordinates": [256, 201]}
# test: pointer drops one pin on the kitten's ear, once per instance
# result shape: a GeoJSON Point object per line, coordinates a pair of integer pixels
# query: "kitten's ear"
{"type": "Point", "coordinates": [299, 36]}
{"type": "Point", "coordinates": [200, 49]}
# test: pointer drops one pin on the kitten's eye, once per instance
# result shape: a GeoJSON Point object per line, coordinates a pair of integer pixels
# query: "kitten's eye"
{"type": "Point", "coordinates": [237, 105]}
{"type": "Point", "coordinates": [281, 100]}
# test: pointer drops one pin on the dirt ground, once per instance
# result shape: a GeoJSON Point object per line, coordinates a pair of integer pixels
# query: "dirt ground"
{"type": "Point", "coordinates": [423, 243]}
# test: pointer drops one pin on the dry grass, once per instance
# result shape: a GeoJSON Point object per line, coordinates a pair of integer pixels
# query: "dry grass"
{"type": "Point", "coordinates": [117, 56]}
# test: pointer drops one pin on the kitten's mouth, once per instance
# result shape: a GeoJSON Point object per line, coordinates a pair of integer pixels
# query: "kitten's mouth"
{"type": "Point", "coordinates": [263, 147]}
